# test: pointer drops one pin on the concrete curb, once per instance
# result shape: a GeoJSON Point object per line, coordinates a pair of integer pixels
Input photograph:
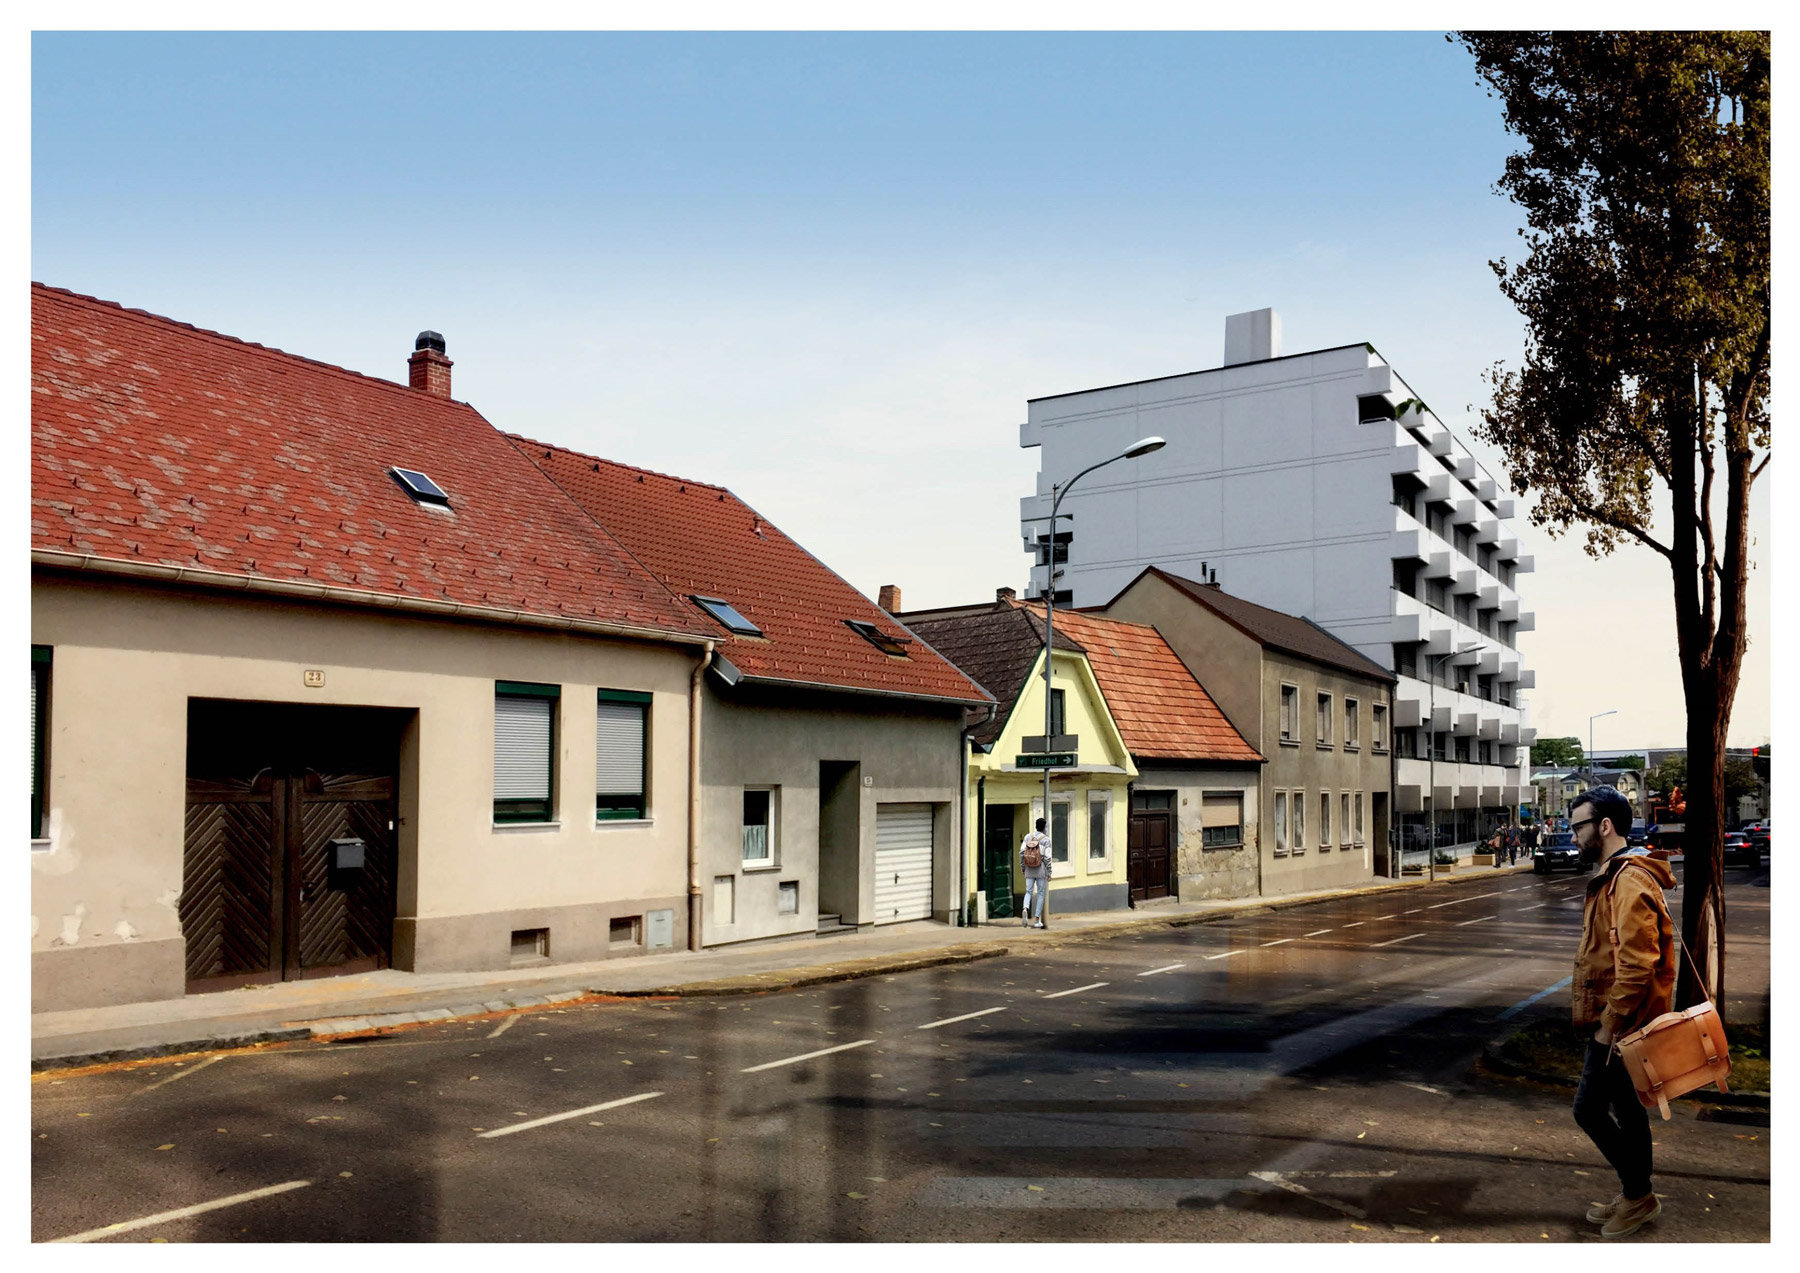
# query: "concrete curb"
{"type": "Point", "coordinates": [217, 1043]}
{"type": "Point", "coordinates": [1493, 1057]}
{"type": "Point", "coordinates": [815, 975]}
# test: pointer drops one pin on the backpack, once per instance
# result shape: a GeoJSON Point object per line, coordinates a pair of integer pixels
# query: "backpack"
{"type": "Point", "coordinates": [1032, 857]}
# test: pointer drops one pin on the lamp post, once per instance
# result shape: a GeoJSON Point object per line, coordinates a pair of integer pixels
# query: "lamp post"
{"type": "Point", "coordinates": [1590, 751]}
{"type": "Point", "coordinates": [1431, 756]}
{"type": "Point", "coordinates": [1143, 446]}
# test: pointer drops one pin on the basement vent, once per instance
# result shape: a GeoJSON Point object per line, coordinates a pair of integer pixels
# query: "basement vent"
{"type": "Point", "coordinates": [626, 931]}
{"type": "Point", "coordinates": [530, 945]}
{"type": "Point", "coordinates": [788, 898]}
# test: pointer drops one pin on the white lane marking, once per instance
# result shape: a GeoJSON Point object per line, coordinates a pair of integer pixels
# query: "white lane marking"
{"type": "Point", "coordinates": [1414, 911]}
{"type": "Point", "coordinates": [1466, 922]}
{"type": "Point", "coordinates": [1078, 989]}
{"type": "Point", "coordinates": [163, 1217]}
{"type": "Point", "coordinates": [504, 1026]}
{"type": "Point", "coordinates": [1226, 954]}
{"type": "Point", "coordinates": [1379, 918]}
{"type": "Point", "coordinates": [1397, 940]}
{"type": "Point", "coordinates": [1526, 1002]}
{"type": "Point", "coordinates": [1277, 943]}
{"type": "Point", "coordinates": [1275, 1178]}
{"type": "Point", "coordinates": [181, 1074]}
{"type": "Point", "coordinates": [1358, 924]}
{"type": "Point", "coordinates": [1458, 901]}
{"type": "Point", "coordinates": [574, 1113]}
{"type": "Point", "coordinates": [805, 1056]}
{"type": "Point", "coordinates": [1316, 932]}
{"type": "Point", "coordinates": [967, 1016]}
{"type": "Point", "coordinates": [1151, 972]}
{"type": "Point", "coordinates": [1423, 1087]}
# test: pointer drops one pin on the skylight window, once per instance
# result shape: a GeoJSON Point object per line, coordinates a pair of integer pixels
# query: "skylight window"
{"type": "Point", "coordinates": [420, 487]}
{"type": "Point", "coordinates": [880, 640]}
{"type": "Point", "coordinates": [726, 614]}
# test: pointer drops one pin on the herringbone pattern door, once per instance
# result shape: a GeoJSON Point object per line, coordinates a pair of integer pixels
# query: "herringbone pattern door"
{"type": "Point", "coordinates": [345, 917]}
{"type": "Point", "coordinates": [231, 881]}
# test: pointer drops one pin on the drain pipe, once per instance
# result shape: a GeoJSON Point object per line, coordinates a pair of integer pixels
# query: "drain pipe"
{"type": "Point", "coordinates": [958, 884]}
{"type": "Point", "coordinates": [693, 822]}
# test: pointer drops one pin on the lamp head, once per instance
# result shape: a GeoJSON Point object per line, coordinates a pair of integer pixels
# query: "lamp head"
{"type": "Point", "coordinates": [1143, 446]}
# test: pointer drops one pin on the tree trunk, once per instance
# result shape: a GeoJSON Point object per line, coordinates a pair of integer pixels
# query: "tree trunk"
{"type": "Point", "coordinates": [1703, 844]}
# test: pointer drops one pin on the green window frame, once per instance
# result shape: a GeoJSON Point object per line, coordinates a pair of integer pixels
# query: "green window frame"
{"type": "Point", "coordinates": [621, 755]}
{"type": "Point", "coordinates": [525, 751]}
{"type": "Point", "coordinates": [40, 702]}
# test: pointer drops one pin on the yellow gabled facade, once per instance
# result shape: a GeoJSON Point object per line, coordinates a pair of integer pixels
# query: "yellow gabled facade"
{"type": "Point", "coordinates": [1091, 799]}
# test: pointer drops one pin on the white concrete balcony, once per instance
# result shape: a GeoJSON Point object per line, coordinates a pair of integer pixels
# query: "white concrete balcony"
{"type": "Point", "coordinates": [1527, 735]}
{"type": "Point", "coordinates": [1503, 509]}
{"type": "Point", "coordinates": [1437, 438]}
{"type": "Point", "coordinates": [1439, 562]}
{"type": "Point", "coordinates": [1465, 580]}
{"type": "Point", "coordinates": [1527, 681]}
{"type": "Point", "coordinates": [1464, 510]}
{"type": "Point", "coordinates": [1507, 548]}
{"type": "Point", "coordinates": [1437, 484]}
{"type": "Point", "coordinates": [1406, 544]}
{"type": "Point", "coordinates": [1411, 458]}
{"type": "Point", "coordinates": [1488, 726]}
{"type": "Point", "coordinates": [1527, 621]}
{"type": "Point", "coordinates": [1467, 722]}
{"type": "Point", "coordinates": [1525, 565]}
{"type": "Point", "coordinates": [1509, 608]}
{"type": "Point", "coordinates": [1509, 666]}
{"type": "Point", "coordinates": [1462, 464]}
{"type": "Point", "coordinates": [1487, 596]}
{"type": "Point", "coordinates": [1483, 486]}
{"type": "Point", "coordinates": [1487, 530]}
{"type": "Point", "coordinates": [1509, 732]}
{"type": "Point", "coordinates": [1487, 660]}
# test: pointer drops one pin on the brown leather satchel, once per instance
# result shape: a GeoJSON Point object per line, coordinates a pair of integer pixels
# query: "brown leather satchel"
{"type": "Point", "coordinates": [1678, 1051]}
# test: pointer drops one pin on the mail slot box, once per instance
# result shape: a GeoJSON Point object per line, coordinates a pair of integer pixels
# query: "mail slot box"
{"type": "Point", "coordinates": [347, 855]}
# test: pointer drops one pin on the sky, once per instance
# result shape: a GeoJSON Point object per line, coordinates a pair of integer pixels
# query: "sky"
{"type": "Point", "coordinates": [828, 270]}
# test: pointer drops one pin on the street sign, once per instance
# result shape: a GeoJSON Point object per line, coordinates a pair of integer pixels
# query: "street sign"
{"type": "Point", "coordinates": [1045, 760]}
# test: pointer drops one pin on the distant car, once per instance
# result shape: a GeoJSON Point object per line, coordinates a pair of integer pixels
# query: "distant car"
{"type": "Point", "coordinates": [1740, 849]}
{"type": "Point", "coordinates": [1638, 835]}
{"type": "Point", "coordinates": [1759, 838]}
{"type": "Point", "coordinates": [1559, 850]}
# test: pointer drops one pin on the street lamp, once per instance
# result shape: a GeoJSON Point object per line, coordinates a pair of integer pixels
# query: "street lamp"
{"type": "Point", "coordinates": [1143, 446]}
{"type": "Point", "coordinates": [1590, 751]}
{"type": "Point", "coordinates": [1431, 754]}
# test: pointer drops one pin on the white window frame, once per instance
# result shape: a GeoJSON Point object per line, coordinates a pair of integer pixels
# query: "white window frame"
{"type": "Point", "coordinates": [1103, 860]}
{"type": "Point", "coordinates": [1281, 824]}
{"type": "Point", "coordinates": [1344, 820]}
{"type": "Point", "coordinates": [1326, 704]}
{"type": "Point", "coordinates": [771, 859]}
{"type": "Point", "coordinates": [1297, 823]}
{"type": "Point", "coordinates": [1359, 819]}
{"type": "Point", "coordinates": [1290, 714]}
{"type": "Point", "coordinates": [1378, 726]}
{"type": "Point", "coordinates": [1324, 822]}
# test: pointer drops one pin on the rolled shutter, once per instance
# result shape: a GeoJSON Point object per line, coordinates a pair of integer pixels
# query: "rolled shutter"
{"type": "Point", "coordinates": [1221, 810]}
{"type": "Point", "coordinates": [522, 748]}
{"type": "Point", "coordinates": [619, 750]}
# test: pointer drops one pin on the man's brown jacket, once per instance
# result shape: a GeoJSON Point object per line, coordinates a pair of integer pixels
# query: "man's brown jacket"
{"type": "Point", "coordinates": [1632, 985]}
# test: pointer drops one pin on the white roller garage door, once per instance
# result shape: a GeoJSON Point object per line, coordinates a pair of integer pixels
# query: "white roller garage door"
{"type": "Point", "coordinates": [902, 862]}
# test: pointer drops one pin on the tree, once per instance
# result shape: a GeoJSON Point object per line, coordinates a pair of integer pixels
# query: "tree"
{"type": "Point", "coordinates": [1557, 753]}
{"type": "Point", "coordinates": [1629, 762]}
{"type": "Point", "coordinates": [1644, 180]}
{"type": "Point", "coordinates": [1670, 774]}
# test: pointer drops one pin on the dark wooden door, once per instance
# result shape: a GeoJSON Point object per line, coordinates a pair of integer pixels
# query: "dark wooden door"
{"type": "Point", "coordinates": [262, 899]}
{"type": "Point", "coordinates": [997, 861]}
{"type": "Point", "coordinates": [1147, 853]}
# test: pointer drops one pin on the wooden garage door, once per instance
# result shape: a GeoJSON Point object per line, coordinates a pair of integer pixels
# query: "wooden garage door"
{"type": "Point", "coordinates": [902, 862]}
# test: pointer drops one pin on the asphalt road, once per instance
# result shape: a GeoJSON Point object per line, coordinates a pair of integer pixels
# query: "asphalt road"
{"type": "Point", "coordinates": [1293, 1075]}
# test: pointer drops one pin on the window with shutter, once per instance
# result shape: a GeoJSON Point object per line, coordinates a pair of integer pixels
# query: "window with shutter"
{"type": "Point", "coordinates": [524, 751]}
{"type": "Point", "coordinates": [621, 755]}
{"type": "Point", "coordinates": [1221, 819]}
{"type": "Point", "coordinates": [40, 686]}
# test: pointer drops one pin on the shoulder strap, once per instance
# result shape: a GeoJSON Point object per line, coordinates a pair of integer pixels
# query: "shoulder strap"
{"type": "Point", "coordinates": [1613, 915]}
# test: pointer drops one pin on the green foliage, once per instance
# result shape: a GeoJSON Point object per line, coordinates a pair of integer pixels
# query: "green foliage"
{"type": "Point", "coordinates": [1557, 753]}
{"type": "Point", "coordinates": [1670, 774]}
{"type": "Point", "coordinates": [1629, 762]}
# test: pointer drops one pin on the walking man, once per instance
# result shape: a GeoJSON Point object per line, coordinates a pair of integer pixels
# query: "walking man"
{"type": "Point", "coordinates": [1034, 862]}
{"type": "Point", "coordinates": [1624, 977]}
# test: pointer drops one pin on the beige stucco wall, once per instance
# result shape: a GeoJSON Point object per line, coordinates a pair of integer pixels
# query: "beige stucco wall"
{"type": "Point", "coordinates": [756, 736]}
{"type": "Point", "coordinates": [127, 659]}
{"type": "Point", "coordinates": [1202, 872]}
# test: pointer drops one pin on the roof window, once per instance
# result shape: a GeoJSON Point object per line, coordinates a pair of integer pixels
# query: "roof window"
{"type": "Point", "coordinates": [420, 487]}
{"type": "Point", "coordinates": [879, 639]}
{"type": "Point", "coordinates": [726, 614]}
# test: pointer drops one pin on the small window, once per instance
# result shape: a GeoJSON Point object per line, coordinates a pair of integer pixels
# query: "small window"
{"type": "Point", "coordinates": [420, 487]}
{"type": "Point", "coordinates": [1299, 822]}
{"type": "Point", "coordinates": [886, 643]}
{"type": "Point", "coordinates": [621, 751]}
{"type": "Point", "coordinates": [1324, 820]}
{"type": "Point", "coordinates": [727, 614]}
{"type": "Point", "coordinates": [626, 930]}
{"type": "Point", "coordinates": [1359, 818]}
{"type": "Point", "coordinates": [1352, 726]}
{"type": "Point", "coordinates": [1281, 827]}
{"type": "Point", "coordinates": [1059, 830]}
{"type": "Point", "coordinates": [530, 945]}
{"type": "Point", "coordinates": [524, 750]}
{"type": "Point", "coordinates": [1146, 800]}
{"type": "Point", "coordinates": [1290, 711]}
{"type": "Point", "coordinates": [1057, 716]}
{"type": "Point", "coordinates": [1221, 819]}
{"type": "Point", "coordinates": [1098, 809]}
{"type": "Point", "coordinates": [1378, 727]}
{"type": "Point", "coordinates": [759, 827]}
{"type": "Point", "coordinates": [40, 702]}
{"type": "Point", "coordinates": [1344, 819]}
{"type": "Point", "coordinates": [1324, 720]}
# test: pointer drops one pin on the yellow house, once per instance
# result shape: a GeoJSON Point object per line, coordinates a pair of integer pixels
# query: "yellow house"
{"type": "Point", "coordinates": [1001, 648]}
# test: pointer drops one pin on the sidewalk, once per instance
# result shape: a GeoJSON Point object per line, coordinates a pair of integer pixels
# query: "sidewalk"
{"type": "Point", "coordinates": [369, 1002]}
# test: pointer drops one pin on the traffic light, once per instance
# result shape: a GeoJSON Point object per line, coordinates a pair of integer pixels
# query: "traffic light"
{"type": "Point", "coordinates": [1759, 762]}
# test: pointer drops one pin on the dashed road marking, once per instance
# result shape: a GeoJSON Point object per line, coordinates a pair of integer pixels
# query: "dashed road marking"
{"type": "Point", "coordinates": [1275, 1178]}
{"type": "Point", "coordinates": [805, 1056]}
{"type": "Point", "coordinates": [1316, 932]}
{"type": "Point", "coordinates": [1225, 954]}
{"type": "Point", "coordinates": [1278, 942]}
{"type": "Point", "coordinates": [1482, 920]}
{"type": "Point", "coordinates": [163, 1217]}
{"type": "Point", "coordinates": [181, 1074]}
{"type": "Point", "coordinates": [1151, 972]}
{"type": "Point", "coordinates": [574, 1113]}
{"type": "Point", "coordinates": [504, 1026]}
{"type": "Point", "coordinates": [1078, 989]}
{"type": "Point", "coordinates": [1397, 940]}
{"type": "Point", "coordinates": [1358, 924]}
{"type": "Point", "coordinates": [967, 1016]}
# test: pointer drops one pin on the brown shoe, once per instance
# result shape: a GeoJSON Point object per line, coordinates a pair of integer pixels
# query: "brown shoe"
{"type": "Point", "coordinates": [1601, 1212]}
{"type": "Point", "coordinates": [1632, 1216]}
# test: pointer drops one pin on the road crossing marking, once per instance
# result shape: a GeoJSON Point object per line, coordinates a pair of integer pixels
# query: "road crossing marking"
{"type": "Point", "coordinates": [181, 1074]}
{"type": "Point", "coordinates": [504, 1026]}
{"type": "Point", "coordinates": [967, 1016]}
{"type": "Point", "coordinates": [805, 1056]}
{"type": "Point", "coordinates": [1165, 968]}
{"type": "Point", "coordinates": [1525, 1003]}
{"type": "Point", "coordinates": [163, 1217]}
{"type": "Point", "coordinates": [1482, 920]}
{"type": "Point", "coordinates": [1078, 989]}
{"type": "Point", "coordinates": [1316, 932]}
{"type": "Point", "coordinates": [574, 1113]}
{"type": "Point", "coordinates": [1276, 1178]}
{"type": "Point", "coordinates": [1226, 954]}
{"type": "Point", "coordinates": [1397, 940]}
{"type": "Point", "coordinates": [1277, 943]}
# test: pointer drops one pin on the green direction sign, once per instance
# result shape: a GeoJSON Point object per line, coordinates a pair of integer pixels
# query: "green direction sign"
{"type": "Point", "coordinates": [1045, 759]}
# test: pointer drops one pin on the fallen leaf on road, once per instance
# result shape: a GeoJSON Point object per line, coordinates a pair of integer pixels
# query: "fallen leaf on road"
{"type": "Point", "coordinates": [165, 1146]}
{"type": "Point", "coordinates": [1035, 1188]}
{"type": "Point", "coordinates": [1360, 1135]}
{"type": "Point", "coordinates": [1363, 1227]}
{"type": "Point", "coordinates": [474, 1078]}
{"type": "Point", "coordinates": [346, 1174]}
{"type": "Point", "coordinates": [856, 1195]}
{"type": "Point", "coordinates": [712, 1140]}
{"type": "Point", "coordinates": [1406, 1228]}
{"type": "Point", "coordinates": [1434, 1237]}
{"type": "Point", "coordinates": [1580, 1173]}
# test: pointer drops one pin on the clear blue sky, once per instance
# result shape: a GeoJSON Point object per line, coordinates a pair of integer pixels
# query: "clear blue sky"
{"type": "Point", "coordinates": [827, 270]}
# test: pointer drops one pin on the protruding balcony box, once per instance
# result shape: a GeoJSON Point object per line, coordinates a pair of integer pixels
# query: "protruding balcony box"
{"type": "Point", "coordinates": [1527, 621]}
{"type": "Point", "coordinates": [1487, 661]}
{"type": "Point", "coordinates": [1438, 563]}
{"type": "Point", "coordinates": [1509, 608]}
{"type": "Point", "coordinates": [1487, 530]}
{"type": "Point", "coordinates": [1488, 726]}
{"type": "Point", "coordinates": [1464, 580]}
{"type": "Point", "coordinates": [1527, 735]}
{"type": "Point", "coordinates": [1437, 438]}
{"type": "Point", "coordinates": [1490, 786]}
{"type": "Point", "coordinates": [1464, 511]}
{"type": "Point", "coordinates": [1467, 722]}
{"type": "Point", "coordinates": [1483, 486]}
{"type": "Point", "coordinates": [1512, 794]}
{"type": "Point", "coordinates": [1441, 638]}
{"type": "Point", "coordinates": [1409, 712]}
{"type": "Point", "coordinates": [1410, 457]}
{"type": "Point", "coordinates": [1525, 565]}
{"type": "Point", "coordinates": [1509, 733]}
{"type": "Point", "coordinates": [1527, 681]}
{"type": "Point", "coordinates": [1437, 484]}
{"type": "Point", "coordinates": [1438, 715]}
{"type": "Point", "coordinates": [1507, 549]}
{"type": "Point", "coordinates": [1509, 666]}
{"type": "Point", "coordinates": [1487, 596]}
{"type": "Point", "coordinates": [1503, 509]}
{"type": "Point", "coordinates": [1462, 464]}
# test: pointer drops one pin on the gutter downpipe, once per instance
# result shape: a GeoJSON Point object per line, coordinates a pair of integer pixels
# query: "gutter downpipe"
{"type": "Point", "coordinates": [958, 884]}
{"type": "Point", "coordinates": [693, 827]}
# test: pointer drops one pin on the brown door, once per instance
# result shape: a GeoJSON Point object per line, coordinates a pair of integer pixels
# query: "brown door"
{"type": "Point", "coordinates": [1147, 853]}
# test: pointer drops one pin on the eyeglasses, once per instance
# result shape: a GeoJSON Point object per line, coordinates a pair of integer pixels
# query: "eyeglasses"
{"type": "Point", "coordinates": [1576, 826]}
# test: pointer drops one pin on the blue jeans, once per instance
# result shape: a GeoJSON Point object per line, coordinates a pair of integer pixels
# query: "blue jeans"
{"type": "Point", "coordinates": [1607, 1109]}
{"type": "Point", "coordinates": [1035, 888]}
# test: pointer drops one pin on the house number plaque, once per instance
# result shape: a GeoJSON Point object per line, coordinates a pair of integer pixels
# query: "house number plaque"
{"type": "Point", "coordinates": [314, 678]}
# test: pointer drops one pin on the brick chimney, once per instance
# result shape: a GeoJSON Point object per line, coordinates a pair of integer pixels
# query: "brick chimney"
{"type": "Point", "coordinates": [890, 598]}
{"type": "Point", "coordinates": [1005, 596]}
{"type": "Point", "coordinates": [428, 369]}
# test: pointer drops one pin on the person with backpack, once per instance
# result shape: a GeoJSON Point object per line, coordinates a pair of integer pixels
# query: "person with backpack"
{"type": "Point", "coordinates": [1624, 978]}
{"type": "Point", "coordinates": [1034, 864]}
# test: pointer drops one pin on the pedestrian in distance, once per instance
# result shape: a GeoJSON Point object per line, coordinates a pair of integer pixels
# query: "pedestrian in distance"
{"type": "Point", "coordinates": [1034, 864]}
{"type": "Point", "coordinates": [1624, 978]}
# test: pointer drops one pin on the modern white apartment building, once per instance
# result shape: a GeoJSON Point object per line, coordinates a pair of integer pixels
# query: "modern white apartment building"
{"type": "Point", "coordinates": [1314, 484]}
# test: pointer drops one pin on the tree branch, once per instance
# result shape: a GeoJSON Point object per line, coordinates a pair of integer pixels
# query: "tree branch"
{"type": "Point", "coordinates": [1588, 513]}
{"type": "Point", "coordinates": [1757, 471]}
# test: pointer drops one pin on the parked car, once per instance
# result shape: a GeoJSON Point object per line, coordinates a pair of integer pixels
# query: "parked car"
{"type": "Point", "coordinates": [1559, 850]}
{"type": "Point", "coordinates": [1740, 849]}
{"type": "Point", "coordinates": [1759, 838]}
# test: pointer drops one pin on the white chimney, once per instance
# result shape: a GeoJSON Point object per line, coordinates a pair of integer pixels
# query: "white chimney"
{"type": "Point", "coordinates": [1252, 337]}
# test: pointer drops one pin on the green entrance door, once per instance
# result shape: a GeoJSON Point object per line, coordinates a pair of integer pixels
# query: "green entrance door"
{"type": "Point", "coordinates": [997, 861]}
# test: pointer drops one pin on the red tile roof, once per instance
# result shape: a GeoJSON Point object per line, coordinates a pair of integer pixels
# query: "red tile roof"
{"type": "Point", "coordinates": [157, 442]}
{"type": "Point", "coordinates": [1163, 713]}
{"type": "Point", "coordinates": [700, 539]}
{"type": "Point", "coordinates": [995, 644]}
